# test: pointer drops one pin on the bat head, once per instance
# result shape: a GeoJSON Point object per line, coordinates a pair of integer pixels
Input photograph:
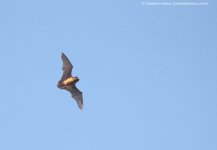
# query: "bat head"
{"type": "Point", "coordinates": [60, 85]}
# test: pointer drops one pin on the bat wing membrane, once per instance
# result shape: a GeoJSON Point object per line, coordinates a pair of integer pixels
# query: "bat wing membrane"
{"type": "Point", "coordinates": [67, 67]}
{"type": "Point", "coordinates": [76, 94]}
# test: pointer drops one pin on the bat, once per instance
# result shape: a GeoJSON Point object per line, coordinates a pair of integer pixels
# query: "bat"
{"type": "Point", "coordinates": [68, 82]}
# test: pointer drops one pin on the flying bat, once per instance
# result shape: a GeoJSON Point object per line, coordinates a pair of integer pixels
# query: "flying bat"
{"type": "Point", "coordinates": [68, 82]}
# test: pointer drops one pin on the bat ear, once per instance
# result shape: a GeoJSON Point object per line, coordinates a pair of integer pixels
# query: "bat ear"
{"type": "Point", "coordinates": [62, 53]}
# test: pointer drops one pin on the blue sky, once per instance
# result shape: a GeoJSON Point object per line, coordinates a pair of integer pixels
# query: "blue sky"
{"type": "Point", "coordinates": [148, 76]}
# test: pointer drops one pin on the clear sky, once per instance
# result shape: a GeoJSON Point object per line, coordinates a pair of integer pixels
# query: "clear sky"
{"type": "Point", "coordinates": [148, 75]}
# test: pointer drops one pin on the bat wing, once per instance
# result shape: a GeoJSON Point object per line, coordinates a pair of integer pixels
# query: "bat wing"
{"type": "Point", "coordinates": [67, 67]}
{"type": "Point", "coordinates": [76, 94]}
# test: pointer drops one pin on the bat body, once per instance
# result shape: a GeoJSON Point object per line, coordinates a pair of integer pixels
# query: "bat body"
{"type": "Point", "coordinates": [68, 82]}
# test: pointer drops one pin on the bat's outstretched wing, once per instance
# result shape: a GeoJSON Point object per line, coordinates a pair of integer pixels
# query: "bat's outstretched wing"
{"type": "Point", "coordinates": [76, 94]}
{"type": "Point", "coordinates": [67, 67]}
